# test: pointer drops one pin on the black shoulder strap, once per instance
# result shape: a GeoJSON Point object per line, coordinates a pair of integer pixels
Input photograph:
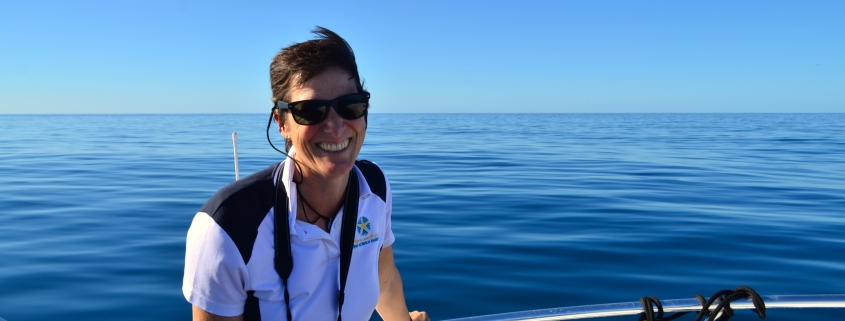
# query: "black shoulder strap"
{"type": "Point", "coordinates": [374, 176]}
{"type": "Point", "coordinates": [281, 230]}
{"type": "Point", "coordinates": [347, 235]}
{"type": "Point", "coordinates": [284, 259]}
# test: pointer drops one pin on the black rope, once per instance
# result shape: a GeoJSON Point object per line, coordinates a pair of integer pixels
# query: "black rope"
{"type": "Point", "coordinates": [724, 299]}
{"type": "Point", "coordinates": [722, 312]}
{"type": "Point", "coordinates": [648, 311]}
{"type": "Point", "coordinates": [267, 131]}
{"type": "Point", "coordinates": [649, 303]}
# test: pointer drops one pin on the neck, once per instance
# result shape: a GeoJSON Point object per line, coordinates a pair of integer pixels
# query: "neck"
{"type": "Point", "coordinates": [326, 195]}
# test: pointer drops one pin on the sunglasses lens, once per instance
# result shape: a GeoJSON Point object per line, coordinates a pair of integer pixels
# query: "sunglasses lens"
{"type": "Point", "coordinates": [307, 113]}
{"type": "Point", "coordinates": [353, 108]}
{"type": "Point", "coordinates": [353, 111]}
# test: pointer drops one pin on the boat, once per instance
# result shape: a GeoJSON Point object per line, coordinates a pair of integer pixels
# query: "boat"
{"type": "Point", "coordinates": [668, 306]}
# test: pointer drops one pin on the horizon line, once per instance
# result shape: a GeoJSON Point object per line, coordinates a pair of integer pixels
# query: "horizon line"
{"type": "Point", "coordinates": [419, 113]}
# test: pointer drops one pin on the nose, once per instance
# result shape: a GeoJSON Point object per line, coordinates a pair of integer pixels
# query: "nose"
{"type": "Point", "coordinates": [333, 122]}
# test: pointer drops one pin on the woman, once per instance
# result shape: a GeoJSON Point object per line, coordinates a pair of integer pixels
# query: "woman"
{"type": "Point", "coordinates": [237, 267]}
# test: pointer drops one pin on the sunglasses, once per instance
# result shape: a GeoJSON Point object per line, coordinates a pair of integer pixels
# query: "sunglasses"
{"type": "Point", "coordinates": [311, 112]}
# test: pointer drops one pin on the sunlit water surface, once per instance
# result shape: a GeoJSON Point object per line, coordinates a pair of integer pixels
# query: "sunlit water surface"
{"type": "Point", "coordinates": [493, 213]}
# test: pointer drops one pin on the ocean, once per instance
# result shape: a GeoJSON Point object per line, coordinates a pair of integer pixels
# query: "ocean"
{"type": "Point", "coordinates": [492, 212]}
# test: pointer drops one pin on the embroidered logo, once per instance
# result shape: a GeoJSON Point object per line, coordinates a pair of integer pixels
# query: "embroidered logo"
{"type": "Point", "coordinates": [363, 226]}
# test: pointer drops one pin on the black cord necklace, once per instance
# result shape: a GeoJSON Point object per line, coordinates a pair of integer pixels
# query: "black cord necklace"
{"type": "Point", "coordinates": [305, 201]}
{"type": "Point", "coordinates": [308, 205]}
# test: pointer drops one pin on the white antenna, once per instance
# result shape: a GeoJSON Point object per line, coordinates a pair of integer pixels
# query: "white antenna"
{"type": "Point", "coordinates": [235, 142]}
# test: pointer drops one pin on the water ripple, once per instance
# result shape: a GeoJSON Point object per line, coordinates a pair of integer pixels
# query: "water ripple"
{"type": "Point", "coordinates": [493, 213]}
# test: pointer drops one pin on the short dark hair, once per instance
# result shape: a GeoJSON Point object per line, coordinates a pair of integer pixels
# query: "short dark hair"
{"type": "Point", "coordinates": [297, 63]}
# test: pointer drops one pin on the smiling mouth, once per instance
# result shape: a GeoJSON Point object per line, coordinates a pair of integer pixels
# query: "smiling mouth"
{"type": "Point", "coordinates": [334, 147]}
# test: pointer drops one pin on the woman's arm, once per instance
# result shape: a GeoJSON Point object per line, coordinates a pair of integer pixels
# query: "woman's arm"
{"type": "Point", "coordinates": [202, 315]}
{"type": "Point", "coordinates": [391, 302]}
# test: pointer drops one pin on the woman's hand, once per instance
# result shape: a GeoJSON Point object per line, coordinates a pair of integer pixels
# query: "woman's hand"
{"type": "Point", "coordinates": [419, 316]}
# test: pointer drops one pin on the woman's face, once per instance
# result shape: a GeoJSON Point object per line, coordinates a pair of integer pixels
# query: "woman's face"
{"type": "Point", "coordinates": [328, 148]}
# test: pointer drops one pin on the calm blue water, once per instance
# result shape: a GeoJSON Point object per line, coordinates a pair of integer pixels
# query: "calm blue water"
{"type": "Point", "coordinates": [492, 213]}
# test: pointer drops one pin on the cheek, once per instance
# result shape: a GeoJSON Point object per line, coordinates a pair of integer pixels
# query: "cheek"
{"type": "Point", "coordinates": [360, 126]}
{"type": "Point", "coordinates": [299, 133]}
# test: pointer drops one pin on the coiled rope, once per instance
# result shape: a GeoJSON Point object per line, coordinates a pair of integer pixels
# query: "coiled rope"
{"type": "Point", "coordinates": [722, 312]}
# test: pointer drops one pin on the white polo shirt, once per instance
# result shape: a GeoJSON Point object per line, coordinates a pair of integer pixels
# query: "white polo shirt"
{"type": "Point", "coordinates": [230, 251]}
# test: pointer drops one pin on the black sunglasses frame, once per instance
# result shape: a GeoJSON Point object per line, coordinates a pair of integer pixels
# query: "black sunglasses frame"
{"type": "Point", "coordinates": [300, 112]}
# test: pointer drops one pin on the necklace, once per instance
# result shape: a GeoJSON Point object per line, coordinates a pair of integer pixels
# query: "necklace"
{"type": "Point", "coordinates": [308, 205]}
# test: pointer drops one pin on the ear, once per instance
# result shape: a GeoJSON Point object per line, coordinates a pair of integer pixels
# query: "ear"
{"type": "Point", "coordinates": [280, 121]}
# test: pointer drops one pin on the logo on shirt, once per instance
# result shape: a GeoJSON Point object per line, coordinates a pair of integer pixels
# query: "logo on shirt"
{"type": "Point", "coordinates": [368, 236]}
{"type": "Point", "coordinates": [363, 226]}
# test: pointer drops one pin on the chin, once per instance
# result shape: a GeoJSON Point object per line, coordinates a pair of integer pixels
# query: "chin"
{"type": "Point", "coordinates": [335, 169]}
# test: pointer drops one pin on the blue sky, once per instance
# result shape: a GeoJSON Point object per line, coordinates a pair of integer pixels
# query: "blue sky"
{"type": "Point", "coordinates": [429, 56]}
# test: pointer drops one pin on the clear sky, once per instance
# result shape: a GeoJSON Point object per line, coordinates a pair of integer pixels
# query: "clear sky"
{"type": "Point", "coordinates": [429, 56]}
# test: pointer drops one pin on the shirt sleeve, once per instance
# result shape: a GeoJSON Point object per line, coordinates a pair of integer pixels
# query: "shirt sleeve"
{"type": "Point", "coordinates": [215, 274]}
{"type": "Point", "coordinates": [388, 210]}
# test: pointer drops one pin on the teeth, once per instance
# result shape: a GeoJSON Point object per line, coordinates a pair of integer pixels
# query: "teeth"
{"type": "Point", "coordinates": [334, 147]}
